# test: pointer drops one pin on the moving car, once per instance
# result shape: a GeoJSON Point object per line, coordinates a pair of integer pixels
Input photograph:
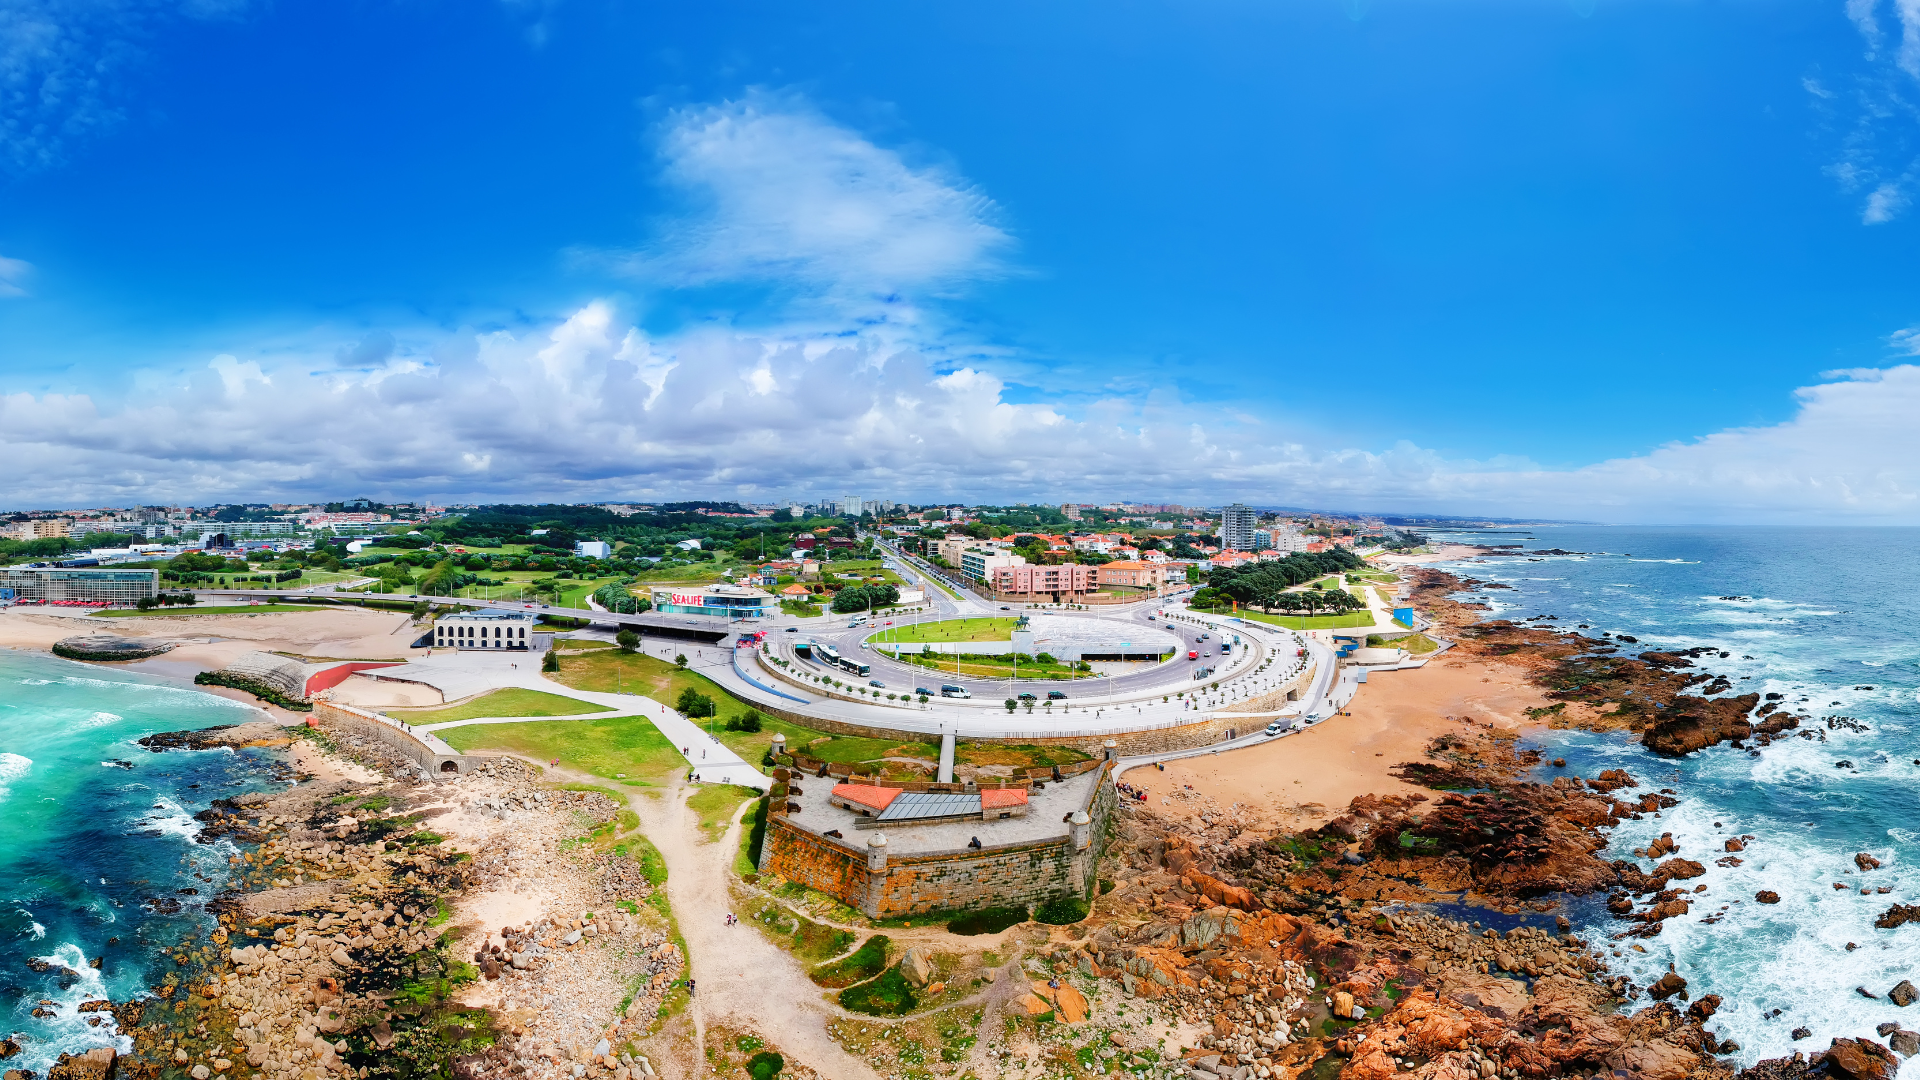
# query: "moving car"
{"type": "Point", "coordinates": [1028, 697]}
{"type": "Point", "coordinates": [1193, 654]}
{"type": "Point", "coordinates": [793, 629]}
{"type": "Point", "coordinates": [950, 690]}
{"type": "Point", "coordinates": [923, 691]}
{"type": "Point", "coordinates": [1275, 728]}
{"type": "Point", "coordinates": [1056, 695]}
{"type": "Point", "coordinates": [876, 682]}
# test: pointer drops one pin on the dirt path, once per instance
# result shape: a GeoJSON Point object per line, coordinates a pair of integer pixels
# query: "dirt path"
{"type": "Point", "coordinates": [743, 979]}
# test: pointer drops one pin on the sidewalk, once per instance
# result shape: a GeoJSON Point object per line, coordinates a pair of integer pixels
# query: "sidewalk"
{"type": "Point", "coordinates": [712, 762]}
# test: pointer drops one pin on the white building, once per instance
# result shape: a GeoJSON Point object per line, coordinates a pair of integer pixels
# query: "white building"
{"type": "Point", "coordinates": [850, 505]}
{"type": "Point", "coordinates": [593, 549]}
{"type": "Point", "coordinates": [489, 629]}
{"type": "Point", "coordinates": [1236, 528]}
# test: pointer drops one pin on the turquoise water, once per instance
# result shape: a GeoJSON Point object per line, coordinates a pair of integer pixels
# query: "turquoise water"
{"type": "Point", "coordinates": [89, 851]}
{"type": "Point", "coordinates": [1825, 617]}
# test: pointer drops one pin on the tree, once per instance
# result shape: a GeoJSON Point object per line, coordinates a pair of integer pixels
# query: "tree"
{"type": "Point", "coordinates": [550, 662]}
{"type": "Point", "coordinates": [693, 703]}
{"type": "Point", "coordinates": [751, 720]}
{"type": "Point", "coordinates": [680, 661]}
{"type": "Point", "coordinates": [627, 640]}
{"type": "Point", "coordinates": [1011, 704]}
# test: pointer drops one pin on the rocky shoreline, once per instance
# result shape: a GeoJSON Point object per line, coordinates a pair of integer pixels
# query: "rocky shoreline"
{"type": "Point", "coordinates": [340, 948]}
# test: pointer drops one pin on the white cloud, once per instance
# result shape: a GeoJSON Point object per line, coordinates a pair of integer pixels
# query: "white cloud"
{"type": "Point", "coordinates": [591, 407]}
{"type": "Point", "coordinates": [1883, 204]}
{"type": "Point", "coordinates": [59, 62]}
{"type": "Point", "coordinates": [1861, 12]}
{"type": "Point", "coordinates": [12, 272]}
{"type": "Point", "coordinates": [782, 194]}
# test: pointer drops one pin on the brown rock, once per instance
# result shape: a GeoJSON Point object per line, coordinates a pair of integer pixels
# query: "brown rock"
{"type": "Point", "coordinates": [1679, 869]}
{"type": "Point", "coordinates": [95, 1064]}
{"type": "Point", "coordinates": [1866, 862]}
{"type": "Point", "coordinates": [1766, 896]}
{"type": "Point", "coordinates": [1734, 843]}
{"type": "Point", "coordinates": [1668, 985]}
{"type": "Point", "coordinates": [1658, 1060]}
{"type": "Point", "coordinates": [1861, 1059]}
{"type": "Point", "coordinates": [1903, 995]}
{"type": "Point", "coordinates": [1704, 1009]}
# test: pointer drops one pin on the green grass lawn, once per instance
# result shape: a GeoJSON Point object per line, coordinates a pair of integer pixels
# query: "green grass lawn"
{"type": "Point", "coordinates": [240, 609]}
{"type": "Point", "coordinates": [715, 804]}
{"type": "Point", "coordinates": [511, 702]}
{"type": "Point", "coordinates": [1313, 622]}
{"type": "Point", "coordinates": [606, 748]}
{"type": "Point", "coordinates": [983, 667]}
{"type": "Point", "coordinates": [994, 629]}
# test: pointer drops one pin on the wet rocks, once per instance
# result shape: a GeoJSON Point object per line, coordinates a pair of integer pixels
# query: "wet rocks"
{"type": "Point", "coordinates": [1734, 843]}
{"type": "Point", "coordinates": [1866, 862]}
{"type": "Point", "coordinates": [1898, 915]}
{"type": "Point", "coordinates": [255, 733]}
{"type": "Point", "coordinates": [1903, 994]}
{"type": "Point", "coordinates": [1679, 869]}
{"type": "Point", "coordinates": [1766, 896]}
{"type": "Point", "coordinates": [1667, 986]}
{"type": "Point", "coordinates": [1693, 723]}
{"type": "Point", "coordinates": [1861, 1059]}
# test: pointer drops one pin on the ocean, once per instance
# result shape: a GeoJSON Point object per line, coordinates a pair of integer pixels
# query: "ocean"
{"type": "Point", "coordinates": [1823, 616]}
{"type": "Point", "coordinates": [98, 852]}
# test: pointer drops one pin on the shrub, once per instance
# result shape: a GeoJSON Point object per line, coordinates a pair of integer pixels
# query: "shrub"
{"type": "Point", "coordinates": [746, 721]}
{"type": "Point", "coordinates": [765, 1065]}
{"type": "Point", "coordinates": [1061, 911]}
{"type": "Point", "coordinates": [550, 662]}
{"type": "Point", "coordinates": [987, 920]}
{"type": "Point", "coordinates": [693, 703]}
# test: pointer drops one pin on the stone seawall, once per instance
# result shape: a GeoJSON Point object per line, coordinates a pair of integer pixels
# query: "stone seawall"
{"type": "Point", "coordinates": [886, 887]}
{"type": "Point", "coordinates": [422, 748]}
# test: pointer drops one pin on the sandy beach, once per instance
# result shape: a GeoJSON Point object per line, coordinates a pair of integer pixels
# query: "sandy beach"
{"type": "Point", "coordinates": [1303, 780]}
{"type": "Point", "coordinates": [210, 642]}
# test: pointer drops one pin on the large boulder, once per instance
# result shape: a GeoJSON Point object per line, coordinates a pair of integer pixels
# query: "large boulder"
{"type": "Point", "coordinates": [917, 965]}
{"type": "Point", "coordinates": [1861, 1059]}
{"type": "Point", "coordinates": [1668, 985]}
{"type": "Point", "coordinates": [1903, 994]}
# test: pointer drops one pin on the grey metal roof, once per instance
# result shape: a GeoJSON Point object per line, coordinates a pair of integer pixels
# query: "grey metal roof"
{"type": "Point", "coordinates": [911, 805]}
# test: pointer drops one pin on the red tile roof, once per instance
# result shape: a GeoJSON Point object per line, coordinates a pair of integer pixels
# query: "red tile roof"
{"type": "Point", "coordinates": [1001, 798]}
{"type": "Point", "coordinates": [876, 798]}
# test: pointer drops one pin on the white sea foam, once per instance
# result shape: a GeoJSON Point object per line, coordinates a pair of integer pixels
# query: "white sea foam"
{"type": "Point", "coordinates": [67, 1031]}
{"type": "Point", "coordinates": [12, 767]}
{"type": "Point", "coordinates": [169, 818]}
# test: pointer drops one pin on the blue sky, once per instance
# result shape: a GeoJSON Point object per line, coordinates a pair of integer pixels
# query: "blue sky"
{"type": "Point", "coordinates": [1622, 261]}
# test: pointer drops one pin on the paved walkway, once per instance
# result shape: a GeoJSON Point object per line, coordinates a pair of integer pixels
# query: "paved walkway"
{"type": "Point", "coordinates": [474, 672]}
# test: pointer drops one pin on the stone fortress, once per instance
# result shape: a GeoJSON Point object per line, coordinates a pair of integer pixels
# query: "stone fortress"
{"type": "Point", "coordinates": [902, 848]}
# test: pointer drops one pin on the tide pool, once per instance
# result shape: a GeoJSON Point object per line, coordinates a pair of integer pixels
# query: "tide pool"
{"type": "Point", "coordinates": [98, 840]}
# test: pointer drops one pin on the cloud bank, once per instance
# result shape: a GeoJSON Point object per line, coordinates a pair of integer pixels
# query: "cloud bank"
{"type": "Point", "coordinates": [586, 405]}
{"type": "Point", "coordinates": [592, 408]}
